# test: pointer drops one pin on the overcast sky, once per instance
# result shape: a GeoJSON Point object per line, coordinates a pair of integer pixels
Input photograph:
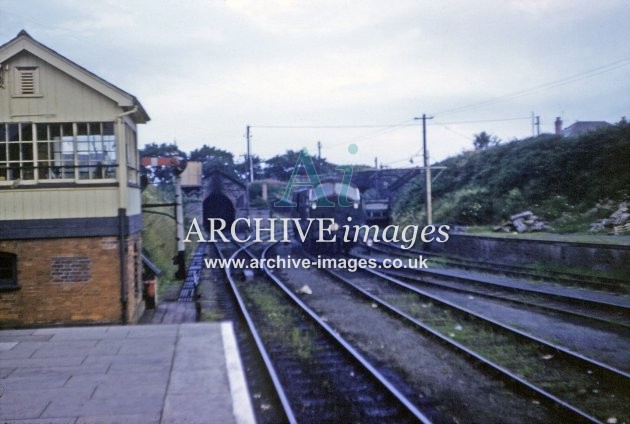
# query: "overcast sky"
{"type": "Point", "coordinates": [205, 69]}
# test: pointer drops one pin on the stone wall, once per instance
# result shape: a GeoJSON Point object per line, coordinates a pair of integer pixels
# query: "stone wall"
{"type": "Point", "coordinates": [69, 280]}
{"type": "Point", "coordinates": [218, 182]}
{"type": "Point", "coordinates": [516, 251]}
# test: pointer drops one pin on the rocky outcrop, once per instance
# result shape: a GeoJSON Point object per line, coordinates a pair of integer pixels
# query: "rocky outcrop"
{"type": "Point", "coordinates": [617, 223]}
{"type": "Point", "coordinates": [523, 222]}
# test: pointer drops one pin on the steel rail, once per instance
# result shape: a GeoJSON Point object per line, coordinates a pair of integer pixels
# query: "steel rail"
{"type": "Point", "coordinates": [413, 276]}
{"type": "Point", "coordinates": [288, 410]}
{"type": "Point", "coordinates": [514, 270]}
{"type": "Point", "coordinates": [576, 412]}
{"type": "Point", "coordinates": [346, 345]}
{"type": "Point", "coordinates": [566, 297]}
{"type": "Point", "coordinates": [494, 322]}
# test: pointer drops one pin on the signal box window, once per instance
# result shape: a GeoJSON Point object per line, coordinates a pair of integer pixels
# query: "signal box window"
{"type": "Point", "coordinates": [57, 152]}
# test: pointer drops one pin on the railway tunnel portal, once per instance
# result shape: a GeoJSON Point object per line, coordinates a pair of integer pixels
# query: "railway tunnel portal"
{"type": "Point", "coordinates": [225, 197]}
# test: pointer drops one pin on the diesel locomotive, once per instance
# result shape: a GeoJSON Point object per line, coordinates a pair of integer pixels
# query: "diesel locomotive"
{"type": "Point", "coordinates": [332, 200]}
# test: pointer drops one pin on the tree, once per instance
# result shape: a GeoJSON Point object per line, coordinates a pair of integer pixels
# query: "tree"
{"type": "Point", "coordinates": [281, 167]}
{"type": "Point", "coordinates": [484, 140]}
{"type": "Point", "coordinates": [211, 154]}
{"type": "Point", "coordinates": [242, 168]}
{"type": "Point", "coordinates": [164, 149]}
{"type": "Point", "coordinates": [213, 158]}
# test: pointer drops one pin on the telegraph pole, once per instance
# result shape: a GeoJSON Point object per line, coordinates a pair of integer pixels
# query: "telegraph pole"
{"type": "Point", "coordinates": [319, 150]}
{"type": "Point", "coordinates": [249, 157]}
{"type": "Point", "coordinates": [427, 169]}
{"type": "Point", "coordinates": [537, 125]}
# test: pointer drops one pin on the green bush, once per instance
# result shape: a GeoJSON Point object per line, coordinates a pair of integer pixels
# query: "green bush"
{"type": "Point", "coordinates": [556, 178]}
{"type": "Point", "coordinates": [275, 190]}
{"type": "Point", "coordinates": [468, 206]}
{"type": "Point", "coordinates": [158, 234]}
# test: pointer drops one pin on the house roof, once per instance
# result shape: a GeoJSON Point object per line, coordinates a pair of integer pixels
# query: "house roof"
{"type": "Point", "coordinates": [581, 127]}
{"type": "Point", "coordinates": [24, 42]}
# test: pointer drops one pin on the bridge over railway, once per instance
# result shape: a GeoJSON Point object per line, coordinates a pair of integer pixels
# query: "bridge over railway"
{"type": "Point", "coordinates": [224, 195]}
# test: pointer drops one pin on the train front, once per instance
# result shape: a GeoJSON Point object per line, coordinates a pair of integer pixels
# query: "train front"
{"type": "Point", "coordinates": [338, 201]}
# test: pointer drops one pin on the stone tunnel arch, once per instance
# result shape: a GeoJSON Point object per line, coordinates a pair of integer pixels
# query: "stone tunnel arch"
{"type": "Point", "coordinates": [218, 205]}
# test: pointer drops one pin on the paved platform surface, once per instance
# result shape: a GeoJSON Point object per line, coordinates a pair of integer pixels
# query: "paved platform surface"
{"type": "Point", "coordinates": [170, 313]}
{"type": "Point", "coordinates": [184, 373]}
{"type": "Point", "coordinates": [579, 293]}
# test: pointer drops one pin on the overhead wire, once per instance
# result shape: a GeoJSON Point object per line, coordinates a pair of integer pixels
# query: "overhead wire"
{"type": "Point", "coordinates": [349, 126]}
{"type": "Point", "coordinates": [478, 121]}
{"type": "Point", "coordinates": [542, 87]}
{"type": "Point", "coordinates": [387, 128]}
{"type": "Point", "coordinates": [407, 159]}
{"type": "Point", "coordinates": [446, 127]}
{"type": "Point", "coordinates": [382, 129]}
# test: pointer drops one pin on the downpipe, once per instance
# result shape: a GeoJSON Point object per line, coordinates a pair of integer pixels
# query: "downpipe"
{"type": "Point", "coordinates": [122, 250]}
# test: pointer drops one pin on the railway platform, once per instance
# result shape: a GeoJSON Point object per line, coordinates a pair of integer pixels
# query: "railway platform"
{"type": "Point", "coordinates": [177, 373]}
{"type": "Point", "coordinates": [170, 313]}
{"type": "Point", "coordinates": [545, 288]}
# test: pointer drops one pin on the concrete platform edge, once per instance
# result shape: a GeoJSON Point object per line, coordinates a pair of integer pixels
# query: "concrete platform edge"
{"type": "Point", "coordinates": [241, 401]}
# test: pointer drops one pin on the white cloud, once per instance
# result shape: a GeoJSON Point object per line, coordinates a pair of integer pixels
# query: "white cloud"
{"type": "Point", "coordinates": [323, 17]}
{"type": "Point", "coordinates": [204, 69]}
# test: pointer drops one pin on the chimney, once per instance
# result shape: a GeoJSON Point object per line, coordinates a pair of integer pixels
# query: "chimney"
{"type": "Point", "coordinates": [558, 124]}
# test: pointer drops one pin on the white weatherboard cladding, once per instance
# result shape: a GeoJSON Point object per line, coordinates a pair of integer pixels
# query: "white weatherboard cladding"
{"type": "Point", "coordinates": [134, 201]}
{"type": "Point", "coordinates": [75, 202]}
{"type": "Point", "coordinates": [23, 42]}
{"type": "Point", "coordinates": [61, 97]}
{"type": "Point", "coordinates": [60, 91]}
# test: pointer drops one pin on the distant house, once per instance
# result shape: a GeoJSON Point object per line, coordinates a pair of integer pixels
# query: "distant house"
{"type": "Point", "coordinates": [579, 127]}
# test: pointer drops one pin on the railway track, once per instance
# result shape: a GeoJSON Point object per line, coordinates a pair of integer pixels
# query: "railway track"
{"type": "Point", "coordinates": [267, 404]}
{"type": "Point", "coordinates": [566, 278]}
{"type": "Point", "coordinates": [609, 309]}
{"type": "Point", "coordinates": [238, 308]}
{"type": "Point", "coordinates": [317, 375]}
{"type": "Point", "coordinates": [298, 345]}
{"type": "Point", "coordinates": [588, 389]}
{"type": "Point", "coordinates": [615, 319]}
{"type": "Point", "coordinates": [219, 304]}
